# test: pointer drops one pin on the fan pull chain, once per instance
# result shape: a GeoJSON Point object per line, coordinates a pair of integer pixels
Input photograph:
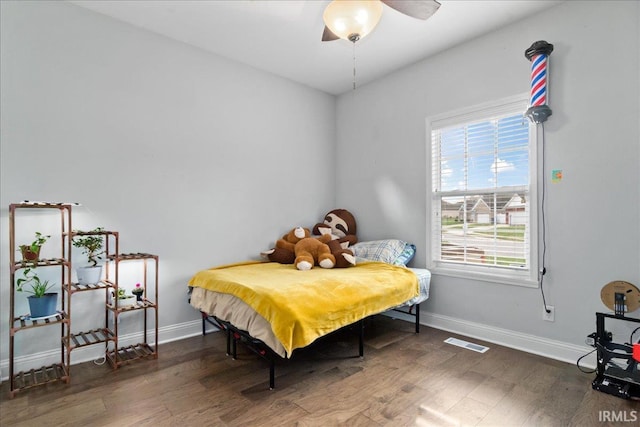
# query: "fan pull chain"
{"type": "Point", "coordinates": [354, 66]}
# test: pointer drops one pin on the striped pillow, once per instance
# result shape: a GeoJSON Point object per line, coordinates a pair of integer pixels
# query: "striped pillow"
{"type": "Point", "coordinates": [391, 251]}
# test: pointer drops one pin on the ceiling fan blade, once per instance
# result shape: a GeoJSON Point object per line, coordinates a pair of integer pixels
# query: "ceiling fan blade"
{"type": "Point", "coordinates": [327, 35]}
{"type": "Point", "coordinates": [420, 9]}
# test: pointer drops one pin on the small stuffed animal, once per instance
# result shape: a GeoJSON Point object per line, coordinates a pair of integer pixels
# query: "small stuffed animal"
{"type": "Point", "coordinates": [289, 240]}
{"type": "Point", "coordinates": [309, 251]}
{"type": "Point", "coordinates": [341, 226]}
{"type": "Point", "coordinates": [279, 255]}
{"type": "Point", "coordinates": [284, 252]}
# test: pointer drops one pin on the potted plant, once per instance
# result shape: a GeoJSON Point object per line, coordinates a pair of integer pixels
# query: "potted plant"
{"type": "Point", "coordinates": [91, 245]}
{"type": "Point", "coordinates": [32, 252]}
{"type": "Point", "coordinates": [41, 302]}
{"type": "Point", "coordinates": [138, 291]}
{"type": "Point", "coordinates": [125, 300]}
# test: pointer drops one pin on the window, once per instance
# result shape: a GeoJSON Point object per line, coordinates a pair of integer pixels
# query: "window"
{"type": "Point", "coordinates": [483, 199]}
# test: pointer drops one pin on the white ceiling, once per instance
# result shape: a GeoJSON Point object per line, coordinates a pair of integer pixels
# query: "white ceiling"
{"type": "Point", "coordinates": [283, 36]}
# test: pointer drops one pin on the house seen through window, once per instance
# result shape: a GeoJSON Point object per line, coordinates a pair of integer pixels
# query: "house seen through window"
{"type": "Point", "coordinates": [483, 198]}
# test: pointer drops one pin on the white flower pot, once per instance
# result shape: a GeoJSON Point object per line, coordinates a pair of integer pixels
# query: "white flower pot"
{"type": "Point", "coordinates": [89, 275]}
{"type": "Point", "coordinates": [126, 302]}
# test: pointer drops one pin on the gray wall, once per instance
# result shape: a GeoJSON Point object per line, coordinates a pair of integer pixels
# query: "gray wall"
{"type": "Point", "coordinates": [593, 136]}
{"type": "Point", "coordinates": [188, 155]}
{"type": "Point", "coordinates": [192, 151]}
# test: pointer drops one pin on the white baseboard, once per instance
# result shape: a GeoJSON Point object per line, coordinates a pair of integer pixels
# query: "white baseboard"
{"type": "Point", "coordinates": [96, 352]}
{"type": "Point", "coordinates": [552, 349]}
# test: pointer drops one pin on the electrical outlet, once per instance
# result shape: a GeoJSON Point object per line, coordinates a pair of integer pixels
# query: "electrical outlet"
{"type": "Point", "coordinates": [551, 315]}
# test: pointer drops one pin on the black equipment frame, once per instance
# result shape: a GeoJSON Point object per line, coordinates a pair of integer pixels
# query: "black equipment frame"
{"type": "Point", "coordinates": [610, 377]}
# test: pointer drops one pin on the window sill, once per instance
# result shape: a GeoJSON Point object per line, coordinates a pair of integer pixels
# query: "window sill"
{"type": "Point", "coordinates": [523, 280]}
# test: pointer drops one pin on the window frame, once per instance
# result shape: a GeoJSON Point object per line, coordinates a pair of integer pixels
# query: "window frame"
{"type": "Point", "coordinates": [527, 278]}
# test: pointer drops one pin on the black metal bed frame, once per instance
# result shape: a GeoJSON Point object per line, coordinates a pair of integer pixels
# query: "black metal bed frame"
{"type": "Point", "coordinates": [235, 335]}
{"type": "Point", "coordinates": [409, 311]}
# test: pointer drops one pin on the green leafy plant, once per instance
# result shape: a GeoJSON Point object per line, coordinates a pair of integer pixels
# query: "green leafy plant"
{"type": "Point", "coordinates": [138, 291]}
{"type": "Point", "coordinates": [123, 295]}
{"type": "Point", "coordinates": [91, 245]}
{"type": "Point", "coordinates": [32, 252]}
{"type": "Point", "coordinates": [38, 287]}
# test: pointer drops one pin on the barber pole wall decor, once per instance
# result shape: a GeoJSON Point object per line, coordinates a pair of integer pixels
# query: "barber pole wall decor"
{"type": "Point", "coordinates": [538, 53]}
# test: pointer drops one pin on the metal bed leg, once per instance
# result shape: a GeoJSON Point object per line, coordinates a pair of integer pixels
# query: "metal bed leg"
{"type": "Point", "coordinates": [211, 320]}
{"type": "Point", "coordinates": [361, 343]}
{"type": "Point", "coordinates": [272, 375]}
{"type": "Point", "coordinates": [228, 342]}
{"type": "Point", "coordinates": [234, 344]}
{"type": "Point", "coordinates": [417, 318]}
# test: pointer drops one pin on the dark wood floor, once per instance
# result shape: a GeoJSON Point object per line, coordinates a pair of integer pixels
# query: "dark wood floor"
{"type": "Point", "coordinates": [404, 379]}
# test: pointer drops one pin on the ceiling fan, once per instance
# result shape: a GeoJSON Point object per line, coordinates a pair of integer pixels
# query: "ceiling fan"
{"type": "Point", "coordinates": [352, 20]}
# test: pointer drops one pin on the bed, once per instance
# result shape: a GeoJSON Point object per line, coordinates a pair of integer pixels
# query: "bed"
{"type": "Point", "coordinates": [275, 309]}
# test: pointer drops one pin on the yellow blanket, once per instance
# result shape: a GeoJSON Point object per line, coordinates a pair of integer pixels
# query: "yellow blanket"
{"type": "Point", "coordinates": [304, 305]}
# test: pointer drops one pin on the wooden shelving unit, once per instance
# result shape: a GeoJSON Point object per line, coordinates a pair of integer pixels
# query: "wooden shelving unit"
{"type": "Point", "coordinates": [118, 355]}
{"type": "Point", "coordinates": [70, 340]}
{"type": "Point", "coordinates": [22, 323]}
{"type": "Point", "coordinates": [102, 335]}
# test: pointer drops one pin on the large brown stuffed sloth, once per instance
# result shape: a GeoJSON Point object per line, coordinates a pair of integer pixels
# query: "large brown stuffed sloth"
{"type": "Point", "coordinates": [341, 226]}
{"type": "Point", "coordinates": [309, 251]}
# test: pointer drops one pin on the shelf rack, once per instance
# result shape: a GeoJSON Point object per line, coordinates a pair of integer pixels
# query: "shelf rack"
{"type": "Point", "coordinates": [102, 335]}
{"type": "Point", "coordinates": [70, 340]}
{"type": "Point", "coordinates": [22, 323]}
{"type": "Point", "coordinates": [119, 355]}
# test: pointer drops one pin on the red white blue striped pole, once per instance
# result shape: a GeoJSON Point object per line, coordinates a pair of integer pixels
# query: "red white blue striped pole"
{"type": "Point", "coordinates": [538, 54]}
{"type": "Point", "coordinates": [539, 80]}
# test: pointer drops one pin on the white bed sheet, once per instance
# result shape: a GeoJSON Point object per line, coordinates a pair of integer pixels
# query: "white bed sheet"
{"type": "Point", "coordinates": [424, 280]}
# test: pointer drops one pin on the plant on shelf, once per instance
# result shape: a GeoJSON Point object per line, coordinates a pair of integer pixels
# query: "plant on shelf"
{"type": "Point", "coordinates": [138, 291]}
{"type": "Point", "coordinates": [32, 252]}
{"type": "Point", "coordinates": [91, 243]}
{"type": "Point", "coordinates": [41, 302]}
{"type": "Point", "coordinates": [38, 287]}
{"type": "Point", "coordinates": [125, 300]}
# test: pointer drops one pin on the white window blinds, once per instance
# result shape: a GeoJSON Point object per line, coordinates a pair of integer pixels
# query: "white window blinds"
{"type": "Point", "coordinates": [482, 164]}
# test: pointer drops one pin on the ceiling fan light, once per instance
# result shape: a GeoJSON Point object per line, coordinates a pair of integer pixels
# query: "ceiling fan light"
{"type": "Point", "coordinates": [352, 19]}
